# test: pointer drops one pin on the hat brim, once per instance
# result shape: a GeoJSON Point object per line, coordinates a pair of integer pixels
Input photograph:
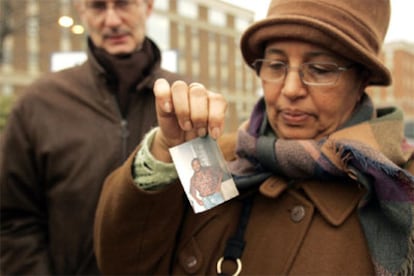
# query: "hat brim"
{"type": "Point", "coordinates": [306, 29]}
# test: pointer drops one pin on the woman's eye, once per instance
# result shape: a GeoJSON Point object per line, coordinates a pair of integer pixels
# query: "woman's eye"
{"type": "Point", "coordinates": [276, 65]}
{"type": "Point", "coordinates": [321, 68]}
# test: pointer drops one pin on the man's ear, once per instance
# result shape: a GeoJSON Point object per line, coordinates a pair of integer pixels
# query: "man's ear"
{"type": "Point", "coordinates": [80, 8]}
{"type": "Point", "coordinates": [150, 7]}
{"type": "Point", "coordinates": [78, 5]}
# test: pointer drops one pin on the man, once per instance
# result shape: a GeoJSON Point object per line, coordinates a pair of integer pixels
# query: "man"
{"type": "Point", "coordinates": [206, 183]}
{"type": "Point", "coordinates": [67, 132]}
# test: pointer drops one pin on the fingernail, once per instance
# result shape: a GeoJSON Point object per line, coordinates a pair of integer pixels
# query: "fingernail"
{"type": "Point", "coordinates": [187, 126]}
{"type": "Point", "coordinates": [167, 107]}
{"type": "Point", "coordinates": [215, 133]}
{"type": "Point", "coordinates": [202, 132]}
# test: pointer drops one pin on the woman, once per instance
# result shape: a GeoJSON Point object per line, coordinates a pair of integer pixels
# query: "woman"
{"type": "Point", "coordinates": [325, 182]}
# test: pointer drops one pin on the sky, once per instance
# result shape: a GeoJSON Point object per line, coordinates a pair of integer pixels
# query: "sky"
{"type": "Point", "coordinates": [401, 23]}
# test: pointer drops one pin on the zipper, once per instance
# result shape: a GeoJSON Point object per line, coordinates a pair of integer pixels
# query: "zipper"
{"type": "Point", "coordinates": [124, 129]}
{"type": "Point", "coordinates": [123, 119]}
{"type": "Point", "coordinates": [124, 137]}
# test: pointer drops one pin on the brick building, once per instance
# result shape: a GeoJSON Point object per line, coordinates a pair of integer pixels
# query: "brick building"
{"type": "Point", "coordinates": [200, 38]}
{"type": "Point", "coordinates": [399, 58]}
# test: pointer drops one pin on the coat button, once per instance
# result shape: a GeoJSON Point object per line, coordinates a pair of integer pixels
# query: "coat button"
{"type": "Point", "coordinates": [297, 213]}
{"type": "Point", "coordinates": [191, 261]}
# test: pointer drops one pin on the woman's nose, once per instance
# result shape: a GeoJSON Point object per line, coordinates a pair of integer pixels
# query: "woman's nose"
{"type": "Point", "coordinates": [293, 87]}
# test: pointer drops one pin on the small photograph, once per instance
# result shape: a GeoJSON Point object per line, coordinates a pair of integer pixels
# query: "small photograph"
{"type": "Point", "coordinates": [203, 173]}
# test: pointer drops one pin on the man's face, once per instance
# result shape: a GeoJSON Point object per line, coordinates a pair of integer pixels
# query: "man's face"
{"type": "Point", "coordinates": [196, 165]}
{"type": "Point", "coordinates": [117, 26]}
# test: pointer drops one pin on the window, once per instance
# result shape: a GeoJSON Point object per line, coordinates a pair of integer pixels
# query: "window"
{"type": "Point", "coordinates": [217, 18]}
{"type": "Point", "coordinates": [187, 8]}
{"type": "Point", "coordinates": [158, 28]}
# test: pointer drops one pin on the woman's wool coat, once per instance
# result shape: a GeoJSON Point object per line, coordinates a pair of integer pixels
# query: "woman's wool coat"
{"type": "Point", "coordinates": [302, 228]}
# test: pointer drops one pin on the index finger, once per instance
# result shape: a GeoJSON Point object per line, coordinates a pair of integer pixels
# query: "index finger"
{"type": "Point", "coordinates": [162, 94]}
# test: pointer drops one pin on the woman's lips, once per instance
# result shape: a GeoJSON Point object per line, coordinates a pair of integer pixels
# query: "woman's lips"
{"type": "Point", "coordinates": [294, 117]}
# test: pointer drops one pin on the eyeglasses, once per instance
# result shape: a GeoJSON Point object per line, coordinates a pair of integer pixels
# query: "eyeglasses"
{"type": "Point", "coordinates": [99, 7]}
{"type": "Point", "coordinates": [312, 73]}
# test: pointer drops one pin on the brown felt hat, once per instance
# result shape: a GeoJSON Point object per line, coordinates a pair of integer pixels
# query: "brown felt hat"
{"type": "Point", "coordinates": [354, 29]}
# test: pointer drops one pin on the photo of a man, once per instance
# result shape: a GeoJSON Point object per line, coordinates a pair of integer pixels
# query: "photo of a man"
{"type": "Point", "coordinates": [205, 184]}
{"type": "Point", "coordinates": [204, 175]}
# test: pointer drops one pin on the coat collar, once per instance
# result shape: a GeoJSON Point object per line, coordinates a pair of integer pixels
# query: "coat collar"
{"type": "Point", "coordinates": [335, 201]}
{"type": "Point", "coordinates": [103, 74]}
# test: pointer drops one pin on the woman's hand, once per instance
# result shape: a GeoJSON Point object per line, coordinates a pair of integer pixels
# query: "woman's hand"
{"type": "Point", "coordinates": [185, 112]}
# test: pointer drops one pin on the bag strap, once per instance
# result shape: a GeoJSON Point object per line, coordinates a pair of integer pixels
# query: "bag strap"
{"type": "Point", "coordinates": [235, 244]}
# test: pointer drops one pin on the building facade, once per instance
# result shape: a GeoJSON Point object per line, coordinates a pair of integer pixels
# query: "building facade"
{"type": "Point", "coordinates": [399, 58]}
{"type": "Point", "coordinates": [199, 39]}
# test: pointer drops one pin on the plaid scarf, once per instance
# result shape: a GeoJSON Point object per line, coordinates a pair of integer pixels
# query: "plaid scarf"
{"type": "Point", "coordinates": [369, 149]}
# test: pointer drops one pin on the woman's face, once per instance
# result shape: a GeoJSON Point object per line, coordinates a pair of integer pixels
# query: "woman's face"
{"type": "Point", "coordinates": [299, 111]}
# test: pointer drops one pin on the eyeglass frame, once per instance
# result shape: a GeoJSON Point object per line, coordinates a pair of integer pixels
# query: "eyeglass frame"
{"type": "Point", "coordinates": [286, 68]}
{"type": "Point", "coordinates": [117, 6]}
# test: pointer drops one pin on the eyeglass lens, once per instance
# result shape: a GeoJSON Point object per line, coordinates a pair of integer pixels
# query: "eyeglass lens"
{"type": "Point", "coordinates": [310, 73]}
{"type": "Point", "coordinates": [100, 6]}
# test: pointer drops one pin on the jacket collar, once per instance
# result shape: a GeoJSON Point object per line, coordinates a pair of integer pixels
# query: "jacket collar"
{"type": "Point", "coordinates": [101, 74]}
{"type": "Point", "coordinates": [324, 195]}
